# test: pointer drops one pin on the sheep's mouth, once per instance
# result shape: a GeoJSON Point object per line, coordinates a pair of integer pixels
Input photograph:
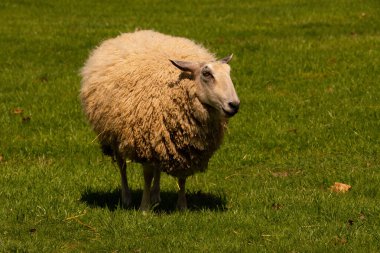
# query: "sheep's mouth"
{"type": "Point", "coordinates": [229, 113]}
{"type": "Point", "coordinates": [222, 111]}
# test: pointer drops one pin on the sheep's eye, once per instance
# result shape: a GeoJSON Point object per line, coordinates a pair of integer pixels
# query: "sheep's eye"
{"type": "Point", "coordinates": [207, 74]}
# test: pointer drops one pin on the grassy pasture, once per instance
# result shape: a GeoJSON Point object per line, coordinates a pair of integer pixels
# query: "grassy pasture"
{"type": "Point", "coordinates": [307, 74]}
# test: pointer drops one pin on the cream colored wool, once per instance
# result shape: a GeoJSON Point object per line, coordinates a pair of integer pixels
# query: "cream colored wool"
{"type": "Point", "coordinates": [145, 108]}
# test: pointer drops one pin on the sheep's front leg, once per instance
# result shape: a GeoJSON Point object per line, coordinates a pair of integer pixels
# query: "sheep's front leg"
{"type": "Point", "coordinates": [148, 177]}
{"type": "Point", "coordinates": [181, 203]}
{"type": "Point", "coordinates": [155, 192]}
{"type": "Point", "coordinates": [126, 198]}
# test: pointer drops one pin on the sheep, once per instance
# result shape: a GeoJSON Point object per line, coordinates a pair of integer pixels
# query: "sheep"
{"type": "Point", "coordinates": [158, 100]}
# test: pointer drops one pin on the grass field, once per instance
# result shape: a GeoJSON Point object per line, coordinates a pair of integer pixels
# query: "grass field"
{"type": "Point", "coordinates": [307, 74]}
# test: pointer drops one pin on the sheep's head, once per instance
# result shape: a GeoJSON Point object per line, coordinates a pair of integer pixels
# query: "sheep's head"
{"type": "Point", "coordinates": [214, 84]}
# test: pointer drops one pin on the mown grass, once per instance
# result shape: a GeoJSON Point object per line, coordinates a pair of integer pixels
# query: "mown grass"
{"type": "Point", "coordinates": [307, 73]}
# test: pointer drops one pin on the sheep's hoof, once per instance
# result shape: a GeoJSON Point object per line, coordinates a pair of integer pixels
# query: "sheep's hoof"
{"type": "Point", "coordinates": [126, 204]}
{"type": "Point", "coordinates": [126, 200]}
{"type": "Point", "coordinates": [145, 206]}
{"type": "Point", "coordinates": [182, 207]}
{"type": "Point", "coordinates": [155, 198]}
{"type": "Point", "coordinates": [146, 213]}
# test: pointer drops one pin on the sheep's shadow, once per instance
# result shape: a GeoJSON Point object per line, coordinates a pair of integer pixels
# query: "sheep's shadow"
{"type": "Point", "coordinates": [196, 201]}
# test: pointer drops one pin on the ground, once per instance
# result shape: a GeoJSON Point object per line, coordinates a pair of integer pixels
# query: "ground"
{"type": "Point", "coordinates": [307, 74]}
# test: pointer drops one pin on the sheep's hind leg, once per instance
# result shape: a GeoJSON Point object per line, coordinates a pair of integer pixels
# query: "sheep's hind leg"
{"type": "Point", "coordinates": [126, 198]}
{"type": "Point", "coordinates": [181, 203]}
{"type": "Point", "coordinates": [148, 177]}
{"type": "Point", "coordinates": [155, 192]}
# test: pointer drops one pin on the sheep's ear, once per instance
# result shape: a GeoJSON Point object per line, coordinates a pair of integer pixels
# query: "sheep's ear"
{"type": "Point", "coordinates": [185, 65]}
{"type": "Point", "coordinates": [226, 59]}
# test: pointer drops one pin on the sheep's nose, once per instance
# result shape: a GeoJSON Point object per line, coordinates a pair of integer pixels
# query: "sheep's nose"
{"type": "Point", "coordinates": [234, 106]}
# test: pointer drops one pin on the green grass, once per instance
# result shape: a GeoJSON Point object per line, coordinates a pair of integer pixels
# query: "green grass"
{"type": "Point", "coordinates": [307, 74]}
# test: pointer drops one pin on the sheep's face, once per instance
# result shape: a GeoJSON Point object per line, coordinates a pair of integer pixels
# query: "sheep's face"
{"type": "Point", "coordinates": [215, 87]}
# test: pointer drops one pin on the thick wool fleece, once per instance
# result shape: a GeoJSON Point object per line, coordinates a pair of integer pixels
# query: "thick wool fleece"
{"type": "Point", "coordinates": [144, 108]}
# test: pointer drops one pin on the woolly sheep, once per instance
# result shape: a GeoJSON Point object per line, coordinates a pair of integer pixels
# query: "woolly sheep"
{"type": "Point", "coordinates": [159, 100]}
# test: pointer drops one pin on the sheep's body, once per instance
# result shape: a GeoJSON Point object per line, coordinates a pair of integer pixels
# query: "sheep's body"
{"type": "Point", "coordinates": [145, 109]}
{"type": "Point", "coordinates": [139, 105]}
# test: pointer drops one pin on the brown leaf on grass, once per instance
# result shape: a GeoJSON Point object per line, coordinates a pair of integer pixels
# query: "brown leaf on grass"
{"type": "Point", "coordinates": [292, 130]}
{"type": "Point", "coordinates": [332, 60]}
{"type": "Point", "coordinates": [330, 90]}
{"type": "Point", "coordinates": [26, 119]}
{"type": "Point", "coordinates": [43, 79]}
{"type": "Point", "coordinates": [1, 158]}
{"type": "Point", "coordinates": [277, 206]}
{"type": "Point", "coordinates": [340, 187]}
{"type": "Point", "coordinates": [280, 174]}
{"type": "Point", "coordinates": [17, 110]}
{"type": "Point", "coordinates": [339, 240]}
